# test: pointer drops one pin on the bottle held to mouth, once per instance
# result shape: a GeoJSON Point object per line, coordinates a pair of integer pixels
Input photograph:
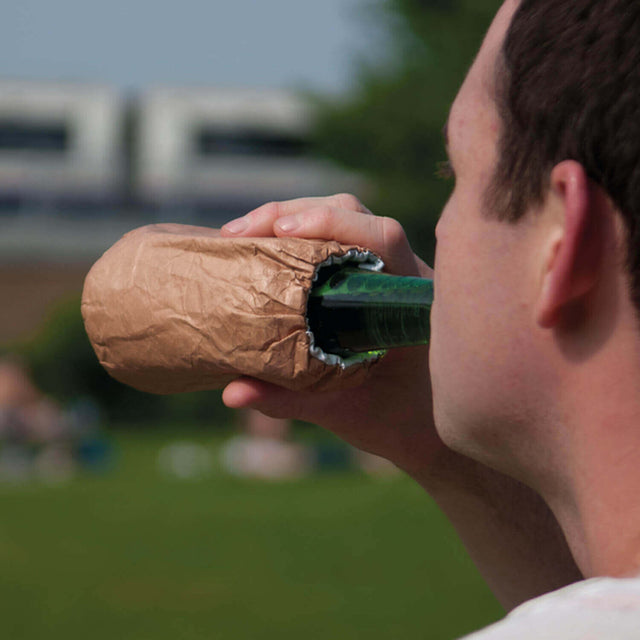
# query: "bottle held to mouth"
{"type": "Point", "coordinates": [175, 308]}
{"type": "Point", "coordinates": [355, 310]}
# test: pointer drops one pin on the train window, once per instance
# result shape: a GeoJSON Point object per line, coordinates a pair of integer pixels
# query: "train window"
{"type": "Point", "coordinates": [215, 141]}
{"type": "Point", "coordinates": [24, 135]}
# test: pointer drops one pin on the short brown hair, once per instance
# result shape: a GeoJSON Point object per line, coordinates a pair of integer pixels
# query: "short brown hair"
{"type": "Point", "coordinates": [568, 87]}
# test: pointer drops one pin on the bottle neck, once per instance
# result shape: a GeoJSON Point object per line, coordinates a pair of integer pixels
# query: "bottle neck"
{"type": "Point", "coordinates": [358, 311]}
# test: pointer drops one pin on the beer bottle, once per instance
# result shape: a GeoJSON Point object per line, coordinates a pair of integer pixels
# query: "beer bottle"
{"type": "Point", "coordinates": [352, 310]}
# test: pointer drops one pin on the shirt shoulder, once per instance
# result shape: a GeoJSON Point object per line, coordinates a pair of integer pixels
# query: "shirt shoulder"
{"type": "Point", "coordinates": [589, 610]}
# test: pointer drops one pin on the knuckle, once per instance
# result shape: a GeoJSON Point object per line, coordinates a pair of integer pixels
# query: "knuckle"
{"type": "Point", "coordinates": [348, 201]}
{"type": "Point", "coordinates": [393, 233]}
{"type": "Point", "coordinates": [271, 209]}
{"type": "Point", "coordinates": [325, 215]}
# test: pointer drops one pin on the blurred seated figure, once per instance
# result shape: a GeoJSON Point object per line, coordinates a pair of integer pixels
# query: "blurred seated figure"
{"type": "Point", "coordinates": [16, 393]}
{"type": "Point", "coordinates": [37, 437]}
{"type": "Point", "coordinates": [32, 428]}
{"type": "Point", "coordinates": [264, 450]}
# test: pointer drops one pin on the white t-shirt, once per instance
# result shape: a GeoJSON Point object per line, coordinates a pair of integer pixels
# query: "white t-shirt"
{"type": "Point", "coordinates": [595, 609]}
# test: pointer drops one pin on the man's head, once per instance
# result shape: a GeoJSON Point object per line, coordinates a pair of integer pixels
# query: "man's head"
{"type": "Point", "coordinates": [519, 305]}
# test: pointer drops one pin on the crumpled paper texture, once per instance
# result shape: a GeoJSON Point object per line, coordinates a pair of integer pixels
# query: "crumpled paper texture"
{"type": "Point", "coordinates": [174, 308]}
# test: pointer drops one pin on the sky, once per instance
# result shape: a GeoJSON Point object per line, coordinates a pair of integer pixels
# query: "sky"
{"type": "Point", "coordinates": [132, 44]}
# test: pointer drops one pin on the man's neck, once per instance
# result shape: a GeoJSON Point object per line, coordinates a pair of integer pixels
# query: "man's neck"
{"type": "Point", "coordinates": [600, 510]}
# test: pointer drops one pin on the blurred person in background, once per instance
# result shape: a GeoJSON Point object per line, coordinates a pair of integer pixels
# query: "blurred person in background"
{"type": "Point", "coordinates": [32, 428]}
{"type": "Point", "coordinates": [264, 450]}
{"type": "Point", "coordinates": [523, 418]}
{"type": "Point", "coordinates": [38, 438]}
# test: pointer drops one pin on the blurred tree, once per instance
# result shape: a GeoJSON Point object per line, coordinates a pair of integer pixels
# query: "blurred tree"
{"type": "Point", "coordinates": [389, 127]}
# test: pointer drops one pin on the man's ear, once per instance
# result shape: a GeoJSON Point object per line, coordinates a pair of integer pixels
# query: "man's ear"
{"type": "Point", "coordinates": [574, 245]}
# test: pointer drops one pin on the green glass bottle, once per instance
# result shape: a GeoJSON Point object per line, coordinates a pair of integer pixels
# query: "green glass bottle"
{"type": "Point", "coordinates": [355, 310]}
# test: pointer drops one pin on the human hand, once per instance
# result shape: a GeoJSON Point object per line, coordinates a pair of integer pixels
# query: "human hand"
{"type": "Point", "coordinates": [390, 414]}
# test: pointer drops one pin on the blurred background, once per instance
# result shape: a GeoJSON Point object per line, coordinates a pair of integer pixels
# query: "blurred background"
{"type": "Point", "coordinates": [129, 515]}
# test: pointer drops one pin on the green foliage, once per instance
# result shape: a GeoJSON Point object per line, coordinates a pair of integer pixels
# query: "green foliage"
{"type": "Point", "coordinates": [64, 365]}
{"type": "Point", "coordinates": [390, 125]}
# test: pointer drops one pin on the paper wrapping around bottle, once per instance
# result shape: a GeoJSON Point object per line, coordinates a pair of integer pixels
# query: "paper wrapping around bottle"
{"type": "Point", "coordinates": [173, 308]}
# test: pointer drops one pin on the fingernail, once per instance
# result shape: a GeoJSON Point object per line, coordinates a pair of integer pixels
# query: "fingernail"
{"type": "Point", "coordinates": [288, 224]}
{"type": "Point", "coordinates": [237, 226]}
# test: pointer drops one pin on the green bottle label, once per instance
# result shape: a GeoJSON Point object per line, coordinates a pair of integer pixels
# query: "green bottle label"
{"type": "Point", "coordinates": [356, 311]}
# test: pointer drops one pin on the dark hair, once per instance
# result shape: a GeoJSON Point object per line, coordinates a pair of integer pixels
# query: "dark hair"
{"type": "Point", "coordinates": [567, 86]}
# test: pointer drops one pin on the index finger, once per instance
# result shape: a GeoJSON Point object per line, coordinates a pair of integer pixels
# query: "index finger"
{"type": "Point", "coordinates": [260, 222]}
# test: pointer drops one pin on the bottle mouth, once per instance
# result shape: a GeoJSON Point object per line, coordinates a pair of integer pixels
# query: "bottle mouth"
{"type": "Point", "coordinates": [343, 358]}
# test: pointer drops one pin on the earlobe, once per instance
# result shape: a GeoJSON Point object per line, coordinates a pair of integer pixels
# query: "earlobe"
{"type": "Point", "coordinates": [574, 244]}
{"type": "Point", "coordinates": [546, 309]}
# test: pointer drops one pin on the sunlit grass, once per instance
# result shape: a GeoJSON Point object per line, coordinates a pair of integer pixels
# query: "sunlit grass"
{"type": "Point", "coordinates": [136, 554]}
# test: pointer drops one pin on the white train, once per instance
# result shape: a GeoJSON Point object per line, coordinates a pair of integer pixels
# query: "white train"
{"type": "Point", "coordinates": [216, 151]}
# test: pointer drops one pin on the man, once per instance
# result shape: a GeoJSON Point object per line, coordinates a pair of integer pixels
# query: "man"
{"type": "Point", "coordinates": [535, 348]}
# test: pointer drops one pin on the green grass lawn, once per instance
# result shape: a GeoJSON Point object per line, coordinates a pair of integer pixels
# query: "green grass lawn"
{"type": "Point", "coordinates": [135, 554]}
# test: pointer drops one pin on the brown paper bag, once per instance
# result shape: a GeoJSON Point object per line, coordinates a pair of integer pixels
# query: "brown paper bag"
{"type": "Point", "coordinates": [173, 308]}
